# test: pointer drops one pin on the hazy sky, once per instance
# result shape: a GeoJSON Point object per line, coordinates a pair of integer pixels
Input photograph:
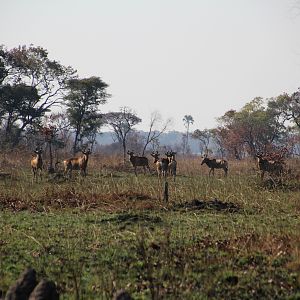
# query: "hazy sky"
{"type": "Point", "coordinates": [191, 57]}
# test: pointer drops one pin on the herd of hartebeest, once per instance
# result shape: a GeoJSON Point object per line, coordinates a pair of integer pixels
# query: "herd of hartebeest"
{"type": "Point", "coordinates": [273, 163]}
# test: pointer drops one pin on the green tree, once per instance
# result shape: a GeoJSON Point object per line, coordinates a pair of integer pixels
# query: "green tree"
{"type": "Point", "coordinates": [254, 128]}
{"type": "Point", "coordinates": [16, 105]}
{"type": "Point", "coordinates": [30, 68]}
{"type": "Point", "coordinates": [287, 106]}
{"type": "Point", "coordinates": [83, 100]}
{"type": "Point", "coordinates": [204, 137]}
{"type": "Point", "coordinates": [122, 123]}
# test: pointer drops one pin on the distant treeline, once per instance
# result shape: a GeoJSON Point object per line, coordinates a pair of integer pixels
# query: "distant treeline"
{"type": "Point", "coordinates": [45, 104]}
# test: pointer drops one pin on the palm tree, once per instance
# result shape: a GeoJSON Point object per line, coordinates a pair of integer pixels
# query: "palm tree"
{"type": "Point", "coordinates": [187, 120]}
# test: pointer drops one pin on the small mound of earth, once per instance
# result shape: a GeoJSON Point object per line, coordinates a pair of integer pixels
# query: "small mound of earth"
{"type": "Point", "coordinates": [214, 204]}
{"type": "Point", "coordinates": [133, 218]}
{"type": "Point", "coordinates": [133, 196]}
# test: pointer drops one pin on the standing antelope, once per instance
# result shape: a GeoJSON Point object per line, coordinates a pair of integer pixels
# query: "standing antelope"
{"type": "Point", "coordinates": [37, 163]}
{"type": "Point", "coordinates": [77, 163]}
{"type": "Point", "coordinates": [213, 164]}
{"type": "Point", "coordinates": [161, 165]}
{"type": "Point", "coordinates": [138, 161]}
{"type": "Point", "coordinates": [271, 166]}
{"type": "Point", "coordinates": [172, 163]}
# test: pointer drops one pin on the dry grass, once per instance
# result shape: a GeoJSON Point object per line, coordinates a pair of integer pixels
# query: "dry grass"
{"type": "Point", "coordinates": [221, 238]}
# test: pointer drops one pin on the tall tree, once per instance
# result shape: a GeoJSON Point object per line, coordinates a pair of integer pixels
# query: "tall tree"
{"type": "Point", "coordinates": [122, 123]}
{"type": "Point", "coordinates": [31, 68]}
{"type": "Point", "coordinates": [83, 100]}
{"type": "Point", "coordinates": [15, 105]}
{"type": "Point", "coordinates": [187, 121]}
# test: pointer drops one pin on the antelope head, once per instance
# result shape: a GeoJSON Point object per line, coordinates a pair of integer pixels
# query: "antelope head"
{"type": "Point", "coordinates": [155, 155]}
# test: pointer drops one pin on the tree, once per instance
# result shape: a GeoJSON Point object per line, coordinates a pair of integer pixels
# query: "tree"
{"type": "Point", "coordinates": [122, 123]}
{"type": "Point", "coordinates": [55, 129]}
{"type": "Point", "coordinates": [231, 134]}
{"type": "Point", "coordinates": [204, 137]}
{"type": "Point", "coordinates": [83, 100]}
{"type": "Point", "coordinates": [218, 137]}
{"type": "Point", "coordinates": [15, 105]}
{"type": "Point", "coordinates": [187, 120]}
{"type": "Point", "coordinates": [154, 133]}
{"type": "Point", "coordinates": [288, 106]}
{"type": "Point", "coordinates": [254, 128]}
{"type": "Point", "coordinates": [30, 68]}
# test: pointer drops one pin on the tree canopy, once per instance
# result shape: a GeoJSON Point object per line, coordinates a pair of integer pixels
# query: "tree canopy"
{"type": "Point", "coordinates": [122, 123]}
{"type": "Point", "coordinates": [83, 100]}
{"type": "Point", "coordinates": [41, 81]}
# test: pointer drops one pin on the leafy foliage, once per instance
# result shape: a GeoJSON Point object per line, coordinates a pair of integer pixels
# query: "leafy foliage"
{"type": "Point", "coordinates": [83, 100]}
{"type": "Point", "coordinates": [122, 123]}
{"type": "Point", "coordinates": [252, 129]}
{"type": "Point", "coordinates": [31, 85]}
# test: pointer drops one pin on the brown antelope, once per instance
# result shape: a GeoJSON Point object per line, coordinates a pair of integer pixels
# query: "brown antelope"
{"type": "Point", "coordinates": [77, 163]}
{"type": "Point", "coordinates": [37, 163]}
{"type": "Point", "coordinates": [172, 163]}
{"type": "Point", "coordinates": [138, 161]}
{"type": "Point", "coordinates": [161, 164]}
{"type": "Point", "coordinates": [271, 166]}
{"type": "Point", "coordinates": [213, 164]}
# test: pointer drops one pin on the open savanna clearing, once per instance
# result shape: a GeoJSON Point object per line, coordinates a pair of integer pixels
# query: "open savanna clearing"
{"type": "Point", "coordinates": [220, 237]}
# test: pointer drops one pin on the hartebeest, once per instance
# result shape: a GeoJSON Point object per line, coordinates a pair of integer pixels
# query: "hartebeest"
{"type": "Point", "coordinates": [213, 164]}
{"type": "Point", "coordinates": [138, 161]}
{"type": "Point", "coordinates": [172, 167]}
{"type": "Point", "coordinates": [37, 163]}
{"type": "Point", "coordinates": [271, 166]}
{"type": "Point", "coordinates": [77, 163]}
{"type": "Point", "coordinates": [162, 164]}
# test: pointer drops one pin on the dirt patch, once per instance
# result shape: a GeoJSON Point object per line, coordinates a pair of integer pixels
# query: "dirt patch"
{"type": "Point", "coordinates": [269, 244]}
{"type": "Point", "coordinates": [12, 203]}
{"type": "Point", "coordinates": [214, 204]}
{"type": "Point", "coordinates": [129, 218]}
{"type": "Point", "coordinates": [113, 202]}
{"type": "Point", "coordinates": [131, 196]}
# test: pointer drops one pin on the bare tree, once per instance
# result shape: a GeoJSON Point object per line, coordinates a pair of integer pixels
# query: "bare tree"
{"type": "Point", "coordinates": [154, 133]}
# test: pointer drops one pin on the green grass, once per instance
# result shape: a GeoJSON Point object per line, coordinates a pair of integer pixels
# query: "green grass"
{"type": "Point", "coordinates": [96, 235]}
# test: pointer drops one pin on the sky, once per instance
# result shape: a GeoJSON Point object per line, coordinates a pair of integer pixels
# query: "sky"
{"type": "Point", "coordinates": [192, 57]}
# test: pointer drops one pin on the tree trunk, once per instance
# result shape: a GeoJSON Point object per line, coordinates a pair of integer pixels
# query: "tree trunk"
{"type": "Point", "coordinates": [124, 150]}
{"type": "Point", "coordinates": [76, 140]}
{"type": "Point", "coordinates": [50, 167]}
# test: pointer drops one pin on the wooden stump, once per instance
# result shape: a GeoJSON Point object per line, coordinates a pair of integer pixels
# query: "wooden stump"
{"type": "Point", "coordinates": [166, 192]}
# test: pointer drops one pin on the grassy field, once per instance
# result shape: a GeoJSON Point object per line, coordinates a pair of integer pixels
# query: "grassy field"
{"type": "Point", "coordinates": [222, 238]}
